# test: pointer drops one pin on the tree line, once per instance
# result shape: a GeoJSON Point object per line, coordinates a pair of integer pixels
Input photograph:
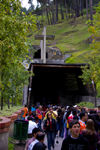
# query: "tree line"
{"type": "Point", "coordinates": [14, 49]}
{"type": "Point", "coordinates": [65, 8]}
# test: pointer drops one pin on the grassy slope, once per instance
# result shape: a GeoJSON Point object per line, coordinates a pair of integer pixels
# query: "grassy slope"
{"type": "Point", "coordinates": [69, 39]}
{"type": "Point", "coordinates": [7, 112]}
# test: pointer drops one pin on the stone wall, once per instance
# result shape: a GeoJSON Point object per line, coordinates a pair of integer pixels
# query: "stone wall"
{"type": "Point", "coordinates": [72, 100]}
{"type": "Point", "coordinates": [69, 99]}
{"type": "Point", "coordinates": [4, 132]}
{"type": "Point", "coordinates": [90, 99]}
{"type": "Point", "coordinates": [7, 127]}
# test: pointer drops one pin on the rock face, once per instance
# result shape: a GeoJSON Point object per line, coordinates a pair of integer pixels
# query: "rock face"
{"type": "Point", "coordinates": [53, 55]}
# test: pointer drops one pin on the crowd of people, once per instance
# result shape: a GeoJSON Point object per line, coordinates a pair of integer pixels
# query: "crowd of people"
{"type": "Point", "coordinates": [79, 127]}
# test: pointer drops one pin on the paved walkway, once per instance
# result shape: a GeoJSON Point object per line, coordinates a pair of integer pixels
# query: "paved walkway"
{"type": "Point", "coordinates": [57, 145]}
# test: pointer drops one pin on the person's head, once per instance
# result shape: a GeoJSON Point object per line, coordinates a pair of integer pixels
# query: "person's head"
{"type": "Point", "coordinates": [56, 109]}
{"type": "Point", "coordinates": [68, 113]}
{"type": "Point", "coordinates": [78, 107]}
{"type": "Point", "coordinates": [29, 118]}
{"type": "Point", "coordinates": [74, 127]}
{"type": "Point", "coordinates": [59, 110]}
{"type": "Point", "coordinates": [36, 119]}
{"type": "Point", "coordinates": [83, 116]}
{"type": "Point", "coordinates": [98, 107]}
{"type": "Point", "coordinates": [59, 107]}
{"type": "Point", "coordinates": [94, 120]}
{"type": "Point", "coordinates": [33, 114]}
{"type": "Point", "coordinates": [50, 109]}
{"type": "Point", "coordinates": [29, 107]}
{"type": "Point", "coordinates": [33, 105]}
{"type": "Point", "coordinates": [25, 105]}
{"type": "Point", "coordinates": [74, 112]}
{"type": "Point", "coordinates": [40, 137]}
{"type": "Point", "coordinates": [49, 116]}
{"type": "Point", "coordinates": [40, 107]}
{"type": "Point", "coordinates": [99, 113]}
{"type": "Point", "coordinates": [75, 106]}
{"type": "Point", "coordinates": [87, 110]}
{"type": "Point", "coordinates": [47, 109]}
{"type": "Point", "coordinates": [90, 126]}
{"type": "Point", "coordinates": [91, 112]}
{"type": "Point", "coordinates": [35, 131]}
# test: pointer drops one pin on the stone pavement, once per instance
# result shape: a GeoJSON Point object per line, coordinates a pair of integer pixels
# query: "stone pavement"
{"type": "Point", "coordinates": [57, 145]}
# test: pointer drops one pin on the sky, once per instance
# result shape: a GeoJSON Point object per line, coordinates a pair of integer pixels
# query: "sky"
{"type": "Point", "coordinates": [26, 5]}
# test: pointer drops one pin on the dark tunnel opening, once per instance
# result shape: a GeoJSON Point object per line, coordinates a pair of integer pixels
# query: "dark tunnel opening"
{"type": "Point", "coordinates": [57, 85]}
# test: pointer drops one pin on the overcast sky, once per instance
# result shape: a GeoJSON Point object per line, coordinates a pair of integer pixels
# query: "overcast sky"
{"type": "Point", "coordinates": [25, 3]}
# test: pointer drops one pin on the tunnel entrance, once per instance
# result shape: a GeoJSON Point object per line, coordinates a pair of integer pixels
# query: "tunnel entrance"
{"type": "Point", "coordinates": [57, 84]}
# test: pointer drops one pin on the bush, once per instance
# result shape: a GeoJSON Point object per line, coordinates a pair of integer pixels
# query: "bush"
{"type": "Point", "coordinates": [86, 104]}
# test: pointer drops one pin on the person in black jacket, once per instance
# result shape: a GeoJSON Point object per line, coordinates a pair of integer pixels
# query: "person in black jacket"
{"type": "Point", "coordinates": [39, 145]}
{"type": "Point", "coordinates": [76, 141]}
{"type": "Point", "coordinates": [51, 130]}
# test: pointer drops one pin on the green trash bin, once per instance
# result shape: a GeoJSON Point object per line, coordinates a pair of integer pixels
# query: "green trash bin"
{"type": "Point", "coordinates": [20, 130]}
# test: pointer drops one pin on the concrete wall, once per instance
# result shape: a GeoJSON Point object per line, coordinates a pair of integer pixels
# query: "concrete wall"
{"type": "Point", "coordinates": [11, 129]}
{"type": "Point", "coordinates": [90, 99]}
{"type": "Point", "coordinates": [72, 100]}
{"type": "Point", "coordinates": [69, 99]}
{"type": "Point", "coordinates": [4, 141]}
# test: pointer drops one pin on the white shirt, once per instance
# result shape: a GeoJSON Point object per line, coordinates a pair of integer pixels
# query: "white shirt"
{"type": "Point", "coordinates": [32, 144]}
{"type": "Point", "coordinates": [31, 126]}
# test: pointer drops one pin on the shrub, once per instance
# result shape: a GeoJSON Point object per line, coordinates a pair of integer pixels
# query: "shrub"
{"type": "Point", "coordinates": [86, 104]}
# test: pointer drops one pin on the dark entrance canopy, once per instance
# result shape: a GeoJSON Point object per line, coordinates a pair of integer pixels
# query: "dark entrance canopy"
{"type": "Point", "coordinates": [57, 83]}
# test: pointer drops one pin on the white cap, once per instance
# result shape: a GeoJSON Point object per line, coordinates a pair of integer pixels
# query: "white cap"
{"type": "Point", "coordinates": [67, 107]}
{"type": "Point", "coordinates": [75, 106]}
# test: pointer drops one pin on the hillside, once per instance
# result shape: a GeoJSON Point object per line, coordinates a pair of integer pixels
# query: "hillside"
{"type": "Point", "coordinates": [71, 37]}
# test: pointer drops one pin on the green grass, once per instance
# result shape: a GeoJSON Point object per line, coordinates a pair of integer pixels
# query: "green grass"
{"type": "Point", "coordinates": [7, 112]}
{"type": "Point", "coordinates": [71, 37]}
{"type": "Point", "coordinates": [68, 38]}
{"type": "Point", "coordinates": [10, 144]}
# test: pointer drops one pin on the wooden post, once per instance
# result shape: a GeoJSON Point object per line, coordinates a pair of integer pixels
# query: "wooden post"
{"type": "Point", "coordinates": [30, 86]}
{"type": "Point", "coordinates": [44, 58]}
